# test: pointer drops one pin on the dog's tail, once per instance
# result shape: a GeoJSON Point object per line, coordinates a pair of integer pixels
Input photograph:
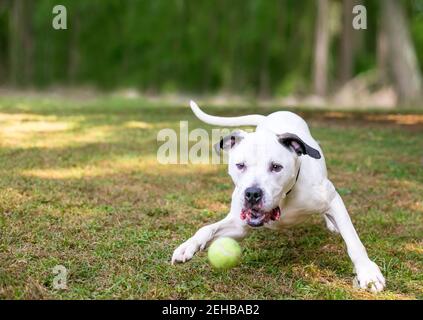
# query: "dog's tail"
{"type": "Point", "coordinates": [250, 120]}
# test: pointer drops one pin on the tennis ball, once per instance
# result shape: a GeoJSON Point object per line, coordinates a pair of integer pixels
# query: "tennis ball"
{"type": "Point", "coordinates": [224, 253]}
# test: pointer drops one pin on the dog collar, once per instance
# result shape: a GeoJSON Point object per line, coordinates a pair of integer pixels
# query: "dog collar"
{"type": "Point", "coordinates": [296, 179]}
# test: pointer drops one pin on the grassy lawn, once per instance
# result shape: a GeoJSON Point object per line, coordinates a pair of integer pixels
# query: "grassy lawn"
{"type": "Point", "coordinates": [80, 187]}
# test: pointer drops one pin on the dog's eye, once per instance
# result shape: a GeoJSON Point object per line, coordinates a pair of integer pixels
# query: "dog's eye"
{"type": "Point", "coordinates": [276, 167]}
{"type": "Point", "coordinates": [240, 166]}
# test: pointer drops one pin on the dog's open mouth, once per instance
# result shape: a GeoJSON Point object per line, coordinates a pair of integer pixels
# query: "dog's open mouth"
{"type": "Point", "coordinates": [257, 218]}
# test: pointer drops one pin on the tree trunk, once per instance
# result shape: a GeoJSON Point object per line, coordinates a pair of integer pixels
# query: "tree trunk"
{"type": "Point", "coordinates": [264, 82]}
{"type": "Point", "coordinates": [21, 43]}
{"type": "Point", "coordinates": [74, 53]}
{"type": "Point", "coordinates": [382, 55]}
{"type": "Point", "coordinates": [346, 53]}
{"type": "Point", "coordinates": [4, 5]}
{"type": "Point", "coordinates": [15, 42]}
{"type": "Point", "coordinates": [321, 48]}
{"type": "Point", "coordinates": [403, 62]}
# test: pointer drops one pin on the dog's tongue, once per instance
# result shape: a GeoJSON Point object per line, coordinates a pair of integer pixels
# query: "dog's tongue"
{"type": "Point", "coordinates": [256, 219]}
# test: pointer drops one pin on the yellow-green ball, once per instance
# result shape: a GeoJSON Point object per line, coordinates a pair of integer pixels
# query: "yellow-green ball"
{"type": "Point", "coordinates": [224, 253]}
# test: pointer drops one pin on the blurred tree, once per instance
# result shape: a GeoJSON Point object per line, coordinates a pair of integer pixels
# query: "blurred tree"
{"type": "Point", "coordinates": [74, 56]}
{"type": "Point", "coordinates": [3, 40]}
{"type": "Point", "coordinates": [346, 52]}
{"type": "Point", "coordinates": [21, 42]}
{"type": "Point", "coordinates": [321, 49]}
{"type": "Point", "coordinates": [253, 47]}
{"type": "Point", "coordinates": [382, 54]}
{"type": "Point", "coordinates": [401, 52]}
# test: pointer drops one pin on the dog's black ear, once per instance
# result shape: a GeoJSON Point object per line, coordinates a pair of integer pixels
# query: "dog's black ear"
{"type": "Point", "coordinates": [230, 141]}
{"type": "Point", "coordinates": [293, 142]}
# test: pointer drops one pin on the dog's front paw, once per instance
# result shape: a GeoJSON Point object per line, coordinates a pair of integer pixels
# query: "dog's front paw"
{"type": "Point", "coordinates": [185, 251]}
{"type": "Point", "coordinates": [369, 277]}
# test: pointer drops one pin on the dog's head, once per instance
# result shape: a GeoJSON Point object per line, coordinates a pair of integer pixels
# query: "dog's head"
{"type": "Point", "coordinates": [264, 167]}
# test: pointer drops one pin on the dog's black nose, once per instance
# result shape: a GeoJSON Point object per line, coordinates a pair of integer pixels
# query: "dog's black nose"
{"type": "Point", "coordinates": [253, 195]}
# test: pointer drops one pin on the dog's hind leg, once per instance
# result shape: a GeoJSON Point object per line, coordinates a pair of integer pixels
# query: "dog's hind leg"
{"type": "Point", "coordinates": [228, 227]}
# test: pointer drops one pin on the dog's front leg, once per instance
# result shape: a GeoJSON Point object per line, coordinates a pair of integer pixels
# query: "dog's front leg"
{"type": "Point", "coordinates": [368, 273]}
{"type": "Point", "coordinates": [228, 227]}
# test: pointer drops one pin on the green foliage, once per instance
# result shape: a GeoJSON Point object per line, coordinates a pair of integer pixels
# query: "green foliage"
{"type": "Point", "coordinates": [249, 46]}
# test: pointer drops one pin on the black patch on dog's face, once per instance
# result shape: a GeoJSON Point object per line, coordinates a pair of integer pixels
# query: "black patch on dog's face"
{"type": "Point", "coordinates": [230, 141]}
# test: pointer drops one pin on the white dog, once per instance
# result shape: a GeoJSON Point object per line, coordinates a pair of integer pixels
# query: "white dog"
{"type": "Point", "coordinates": [280, 179]}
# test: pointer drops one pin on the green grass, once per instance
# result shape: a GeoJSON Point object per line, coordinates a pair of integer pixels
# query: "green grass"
{"type": "Point", "coordinates": [80, 186]}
